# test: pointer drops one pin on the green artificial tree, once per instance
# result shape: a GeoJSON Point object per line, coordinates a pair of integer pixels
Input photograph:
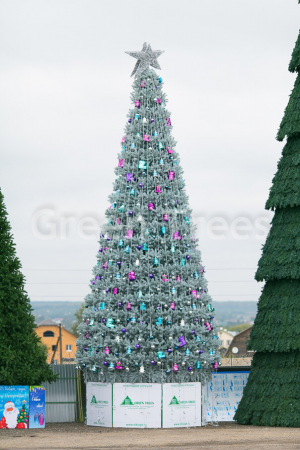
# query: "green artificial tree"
{"type": "Point", "coordinates": [272, 394]}
{"type": "Point", "coordinates": [23, 416]}
{"type": "Point", "coordinates": [149, 317]}
{"type": "Point", "coordinates": [22, 355]}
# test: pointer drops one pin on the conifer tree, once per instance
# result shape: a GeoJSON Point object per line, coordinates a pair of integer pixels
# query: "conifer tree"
{"type": "Point", "coordinates": [22, 356]}
{"type": "Point", "coordinates": [149, 317]}
{"type": "Point", "coordinates": [271, 396]}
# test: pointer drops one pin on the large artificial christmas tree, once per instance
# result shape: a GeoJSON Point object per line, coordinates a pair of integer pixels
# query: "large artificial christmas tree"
{"type": "Point", "coordinates": [272, 394]}
{"type": "Point", "coordinates": [149, 317]}
{"type": "Point", "coordinates": [22, 356]}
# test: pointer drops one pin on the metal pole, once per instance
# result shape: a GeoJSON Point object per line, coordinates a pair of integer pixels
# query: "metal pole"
{"type": "Point", "coordinates": [60, 343]}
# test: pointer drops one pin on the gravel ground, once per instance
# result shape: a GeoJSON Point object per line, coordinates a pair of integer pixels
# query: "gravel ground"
{"type": "Point", "coordinates": [229, 436]}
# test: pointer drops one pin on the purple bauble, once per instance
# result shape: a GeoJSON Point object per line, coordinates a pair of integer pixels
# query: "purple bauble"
{"type": "Point", "coordinates": [109, 239]}
{"type": "Point", "coordinates": [169, 350]}
{"type": "Point", "coordinates": [158, 306]}
{"type": "Point", "coordinates": [104, 320]}
{"type": "Point", "coordinates": [142, 322]}
{"type": "Point", "coordinates": [190, 369]}
{"type": "Point", "coordinates": [193, 331]}
{"type": "Point", "coordinates": [200, 352]}
{"type": "Point", "coordinates": [150, 275]}
{"type": "Point", "coordinates": [105, 363]}
{"type": "Point", "coordinates": [139, 247]}
{"type": "Point", "coordinates": [141, 185]}
{"type": "Point", "coordinates": [123, 330]}
{"type": "Point", "coordinates": [196, 320]}
{"type": "Point", "coordinates": [151, 120]}
{"type": "Point", "coordinates": [107, 291]}
{"type": "Point", "coordinates": [137, 345]}
{"type": "Point", "coordinates": [119, 263]}
{"type": "Point", "coordinates": [130, 213]}
{"type": "Point", "coordinates": [187, 256]}
{"type": "Point", "coordinates": [120, 304]}
{"type": "Point", "coordinates": [129, 120]}
{"type": "Point", "coordinates": [85, 349]}
{"type": "Point", "coordinates": [176, 201]}
{"type": "Point", "coordinates": [152, 362]}
{"type": "Point", "coordinates": [100, 250]}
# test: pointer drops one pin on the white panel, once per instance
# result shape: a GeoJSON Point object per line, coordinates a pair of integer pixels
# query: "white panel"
{"type": "Point", "coordinates": [137, 405]}
{"type": "Point", "coordinates": [181, 405]}
{"type": "Point", "coordinates": [220, 397]}
{"type": "Point", "coordinates": [99, 404]}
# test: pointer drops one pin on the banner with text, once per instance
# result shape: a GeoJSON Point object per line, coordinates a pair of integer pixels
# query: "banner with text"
{"type": "Point", "coordinates": [181, 405]}
{"type": "Point", "coordinates": [221, 396]}
{"type": "Point", "coordinates": [36, 406]}
{"type": "Point", "coordinates": [137, 405]}
{"type": "Point", "coordinates": [99, 404]}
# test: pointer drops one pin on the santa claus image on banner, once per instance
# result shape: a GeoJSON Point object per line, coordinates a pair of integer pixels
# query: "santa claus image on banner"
{"type": "Point", "coordinates": [10, 416]}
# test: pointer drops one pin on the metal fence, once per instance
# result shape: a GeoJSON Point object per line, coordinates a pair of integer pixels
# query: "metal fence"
{"type": "Point", "coordinates": [64, 397]}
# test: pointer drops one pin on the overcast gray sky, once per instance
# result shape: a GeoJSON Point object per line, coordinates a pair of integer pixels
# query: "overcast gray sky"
{"type": "Point", "coordinates": [64, 95]}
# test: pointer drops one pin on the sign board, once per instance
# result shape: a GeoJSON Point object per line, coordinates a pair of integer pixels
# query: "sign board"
{"type": "Point", "coordinates": [181, 405]}
{"type": "Point", "coordinates": [36, 407]}
{"type": "Point", "coordinates": [221, 396]}
{"type": "Point", "coordinates": [99, 404]}
{"type": "Point", "coordinates": [14, 406]}
{"type": "Point", "coordinates": [137, 405]}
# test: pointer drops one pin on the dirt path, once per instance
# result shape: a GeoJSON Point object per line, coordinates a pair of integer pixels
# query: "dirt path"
{"type": "Point", "coordinates": [229, 436]}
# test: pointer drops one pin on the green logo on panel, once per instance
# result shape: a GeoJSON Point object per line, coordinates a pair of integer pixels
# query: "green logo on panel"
{"type": "Point", "coordinates": [174, 401]}
{"type": "Point", "coordinates": [127, 401]}
{"type": "Point", "coordinates": [94, 400]}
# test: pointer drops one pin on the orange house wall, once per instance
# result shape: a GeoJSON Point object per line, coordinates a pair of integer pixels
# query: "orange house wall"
{"type": "Point", "coordinates": [67, 339]}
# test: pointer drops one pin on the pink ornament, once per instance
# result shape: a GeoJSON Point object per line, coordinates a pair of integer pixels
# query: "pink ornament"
{"type": "Point", "coordinates": [170, 150]}
{"type": "Point", "coordinates": [166, 218]}
{"type": "Point", "coordinates": [158, 189]}
{"type": "Point", "coordinates": [171, 175]}
{"type": "Point", "coordinates": [159, 100]}
{"type": "Point", "coordinates": [151, 206]}
{"type": "Point", "coordinates": [129, 234]}
{"type": "Point", "coordinates": [215, 365]}
{"type": "Point", "coordinates": [143, 84]}
{"type": "Point", "coordinates": [146, 137]}
{"type": "Point", "coordinates": [105, 248]}
{"type": "Point", "coordinates": [181, 341]}
{"type": "Point", "coordinates": [121, 162]}
{"type": "Point", "coordinates": [172, 306]}
{"type": "Point", "coordinates": [115, 291]}
{"type": "Point", "coordinates": [194, 294]}
{"type": "Point", "coordinates": [137, 103]}
{"type": "Point", "coordinates": [168, 122]}
{"type": "Point", "coordinates": [175, 367]}
{"type": "Point", "coordinates": [202, 270]}
{"type": "Point", "coordinates": [105, 265]}
{"type": "Point", "coordinates": [208, 326]}
{"type": "Point", "coordinates": [119, 365]}
{"type": "Point", "coordinates": [178, 279]}
{"type": "Point", "coordinates": [131, 276]}
{"type": "Point", "coordinates": [176, 236]}
{"type": "Point", "coordinates": [164, 278]}
{"type": "Point", "coordinates": [128, 306]}
{"type": "Point", "coordinates": [106, 351]}
{"type": "Point", "coordinates": [118, 221]}
{"type": "Point", "coordinates": [124, 138]}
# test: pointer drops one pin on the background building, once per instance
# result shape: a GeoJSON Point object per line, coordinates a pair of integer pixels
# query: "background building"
{"type": "Point", "coordinates": [49, 333]}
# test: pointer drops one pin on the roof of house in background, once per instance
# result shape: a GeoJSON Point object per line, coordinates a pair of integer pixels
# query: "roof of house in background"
{"type": "Point", "coordinates": [240, 342]}
{"type": "Point", "coordinates": [47, 322]}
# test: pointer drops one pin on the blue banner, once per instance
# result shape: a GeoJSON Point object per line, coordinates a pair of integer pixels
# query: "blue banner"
{"type": "Point", "coordinates": [14, 406]}
{"type": "Point", "coordinates": [36, 407]}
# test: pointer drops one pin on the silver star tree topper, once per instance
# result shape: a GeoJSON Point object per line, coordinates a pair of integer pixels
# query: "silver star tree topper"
{"type": "Point", "coordinates": [147, 57]}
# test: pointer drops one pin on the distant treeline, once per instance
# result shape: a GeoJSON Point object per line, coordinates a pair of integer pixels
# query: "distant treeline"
{"type": "Point", "coordinates": [226, 313]}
